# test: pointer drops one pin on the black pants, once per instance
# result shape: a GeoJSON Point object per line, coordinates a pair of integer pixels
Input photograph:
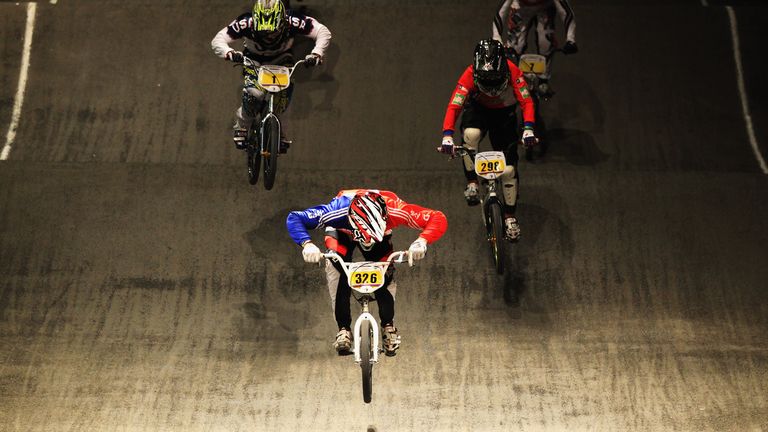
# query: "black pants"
{"type": "Point", "coordinates": [343, 244]}
{"type": "Point", "coordinates": [499, 124]}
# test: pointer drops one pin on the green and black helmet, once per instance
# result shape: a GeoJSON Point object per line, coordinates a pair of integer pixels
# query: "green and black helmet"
{"type": "Point", "coordinates": [269, 18]}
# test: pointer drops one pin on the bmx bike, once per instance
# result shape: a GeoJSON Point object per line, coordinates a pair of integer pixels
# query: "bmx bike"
{"type": "Point", "coordinates": [489, 166]}
{"type": "Point", "coordinates": [263, 139]}
{"type": "Point", "coordinates": [534, 68]}
{"type": "Point", "coordinates": [364, 278]}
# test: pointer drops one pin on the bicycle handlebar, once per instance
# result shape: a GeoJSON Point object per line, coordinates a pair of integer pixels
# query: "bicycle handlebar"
{"type": "Point", "coordinates": [398, 257]}
{"type": "Point", "coordinates": [256, 66]}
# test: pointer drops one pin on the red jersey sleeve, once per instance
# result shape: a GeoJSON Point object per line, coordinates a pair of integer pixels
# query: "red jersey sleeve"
{"type": "Point", "coordinates": [522, 94]}
{"type": "Point", "coordinates": [465, 86]}
{"type": "Point", "coordinates": [432, 223]}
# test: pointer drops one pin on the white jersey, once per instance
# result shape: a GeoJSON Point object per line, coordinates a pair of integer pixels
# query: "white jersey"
{"type": "Point", "coordinates": [259, 50]}
{"type": "Point", "coordinates": [527, 10]}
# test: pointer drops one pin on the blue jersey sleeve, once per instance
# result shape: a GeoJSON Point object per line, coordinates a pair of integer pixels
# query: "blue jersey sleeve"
{"type": "Point", "coordinates": [331, 214]}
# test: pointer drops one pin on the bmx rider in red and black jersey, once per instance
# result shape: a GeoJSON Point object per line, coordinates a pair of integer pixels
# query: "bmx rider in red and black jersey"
{"type": "Point", "coordinates": [488, 91]}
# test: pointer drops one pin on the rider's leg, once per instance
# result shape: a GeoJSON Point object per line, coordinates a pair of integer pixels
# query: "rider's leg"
{"type": "Point", "coordinates": [385, 296]}
{"type": "Point", "coordinates": [520, 23]}
{"type": "Point", "coordinates": [338, 287]}
{"type": "Point", "coordinates": [245, 114]}
{"type": "Point", "coordinates": [545, 40]}
{"type": "Point", "coordinates": [503, 137]}
{"type": "Point", "coordinates": [473, 126]}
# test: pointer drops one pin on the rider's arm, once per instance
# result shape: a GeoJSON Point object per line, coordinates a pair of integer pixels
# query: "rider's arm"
{"type": "Point", "coordinates": [432, 223]}
{"type": "Point", "coordinates": [523, 96]}
{"type": "Point", "coordinates": [299, 222]}
{"type": "Point", "coordinates": [459, 96]}
{"type": "Point", "coordinates": [313, 29]}
{"type": "Point", "coordinates": [220, 43]}
{"type": "Point", "coordinates": [565, 12]}
{"type": "Point", "coordinates": [322, 37]}
{"type": "Point", "coordinates": [500, 19]}
{"type": "Point", "coordinates": [229, 34]}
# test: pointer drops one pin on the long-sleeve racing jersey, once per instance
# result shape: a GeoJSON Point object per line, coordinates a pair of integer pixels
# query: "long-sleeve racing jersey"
{"type": "Point", "coordinates": [242, 28]}
{"type": "Point", "coordinates": [432, 223]}
{"type": "Point", "coordinates": [563, 7]}
{"type": "Point", "coordinates": [516, 92]}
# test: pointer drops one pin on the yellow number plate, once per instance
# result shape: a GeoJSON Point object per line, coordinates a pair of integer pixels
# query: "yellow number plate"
{"type": "Point", "coordinates": [369, 277]}
{"type": "Point", "coordinates": [489, 166]}
{"type": "Point", "coordinates": [533, 63]}
{"type": "Point", "coordinates": [273, 79]}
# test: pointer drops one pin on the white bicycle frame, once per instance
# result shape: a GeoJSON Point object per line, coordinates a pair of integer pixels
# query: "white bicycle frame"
{"type": "Point", "coordinates": [365, 277]}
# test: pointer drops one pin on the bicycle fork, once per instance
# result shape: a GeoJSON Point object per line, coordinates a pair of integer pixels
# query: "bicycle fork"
{"type": "Point", "coordinates": [366, 315]}
{"type": "Point", "coordinates": [268, 113]}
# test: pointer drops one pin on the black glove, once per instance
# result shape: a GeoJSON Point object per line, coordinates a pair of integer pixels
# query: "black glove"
{"type": "Point", "coordinates": [570, 48]}
{"type": "Point", "coordinates": [235, 56]}
{"type": "Point", "coordinates": [312, 60]}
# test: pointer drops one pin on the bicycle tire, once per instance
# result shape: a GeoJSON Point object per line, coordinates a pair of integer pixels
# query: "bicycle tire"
{"type": "Point", "coordinates": [270, 149]}
{"type": "Point", "coordinates": [253, 157]}
{"type": "Point", "coordinates": [366, 353]}
{"type": "Point", "coordinates": [495, 226]}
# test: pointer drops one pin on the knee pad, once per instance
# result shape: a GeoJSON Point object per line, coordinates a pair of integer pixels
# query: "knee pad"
{"type": "Point", "coordinates": [332, 276]}
{"type": "Point", "coordinates": [509, 182]}
{"type": "Point", "coordinates": [472, 137]}
{"type": "Point", "coordinates": [253, 101]}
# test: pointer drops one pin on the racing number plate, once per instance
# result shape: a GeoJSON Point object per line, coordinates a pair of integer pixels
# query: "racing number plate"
{"type": "Point", "coordinates": [490, 165]}
{"type": "Point", "coordinates": [274, 78]}
{"type": "Point", "coordinates": [533, 63]}
{"type": "Point", "coordinates": [371, 277]}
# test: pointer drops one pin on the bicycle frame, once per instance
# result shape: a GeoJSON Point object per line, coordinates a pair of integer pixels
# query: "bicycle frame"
{"type": "Point", "coordinates": [263, 138]}
{"type": "Point", "coordinates": [281, 80]}
{"type": "Point", "coordinates": [364, 278]}
{"type": "Point", "coordinates": [491, 181]}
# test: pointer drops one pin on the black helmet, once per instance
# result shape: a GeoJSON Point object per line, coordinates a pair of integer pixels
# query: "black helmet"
{"type": "Point", "coordinates": [490, 68]}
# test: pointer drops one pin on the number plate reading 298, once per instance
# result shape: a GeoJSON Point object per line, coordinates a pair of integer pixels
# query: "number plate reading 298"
{"type": "Point", "coordinates": [490, 165]}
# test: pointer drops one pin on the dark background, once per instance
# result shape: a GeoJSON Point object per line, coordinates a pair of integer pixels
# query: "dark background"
{"type": "Point", "coordinates": [144, 285]}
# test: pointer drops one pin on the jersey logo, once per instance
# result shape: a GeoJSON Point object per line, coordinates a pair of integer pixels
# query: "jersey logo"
{"type": "Point", "coordinates": [240, 25]}
{"type": "Point", "coordinates": [458, 99]}
{"type": "Point", "coordinates": [314, 213]}
{"type": "Point", "coordinates": [296, 22]}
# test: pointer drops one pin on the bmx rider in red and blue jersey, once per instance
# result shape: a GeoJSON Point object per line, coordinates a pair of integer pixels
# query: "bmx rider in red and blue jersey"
{"type": "Point", "coordinates": [363, 219]}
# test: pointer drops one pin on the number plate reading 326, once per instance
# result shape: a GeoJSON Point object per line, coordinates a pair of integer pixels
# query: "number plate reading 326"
{"type": "Point", "coordinates": [490, 165]}
{"type": "Point", "coordinates": [371, 277]}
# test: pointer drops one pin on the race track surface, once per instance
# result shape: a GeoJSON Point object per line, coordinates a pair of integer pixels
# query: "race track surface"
{"type": "Point", "coordinates": [144, 285]}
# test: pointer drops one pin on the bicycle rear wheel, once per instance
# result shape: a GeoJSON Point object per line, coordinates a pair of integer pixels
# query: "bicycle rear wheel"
{"type": "Point", "coordinates": [366, 353]}
{"type": "Point", "coordinates": [270, 149]}
{"type": "Point", "coordinates": [494, 225]}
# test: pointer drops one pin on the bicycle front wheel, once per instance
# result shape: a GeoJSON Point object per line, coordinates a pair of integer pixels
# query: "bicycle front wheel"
{"type": "Point", "coordinates": [366, 353]}
{"type": "Point", "coordinates": [270, 148]}
{"type": "Point", "coordinates": [495, 227]}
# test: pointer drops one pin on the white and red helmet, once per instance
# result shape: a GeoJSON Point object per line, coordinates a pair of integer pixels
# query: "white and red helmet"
{"type": "Point", "coordinates": [368, 217]}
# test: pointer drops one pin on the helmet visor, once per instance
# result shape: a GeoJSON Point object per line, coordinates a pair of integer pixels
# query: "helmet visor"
{"type": "Point", "coordinates": [492, 84]}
